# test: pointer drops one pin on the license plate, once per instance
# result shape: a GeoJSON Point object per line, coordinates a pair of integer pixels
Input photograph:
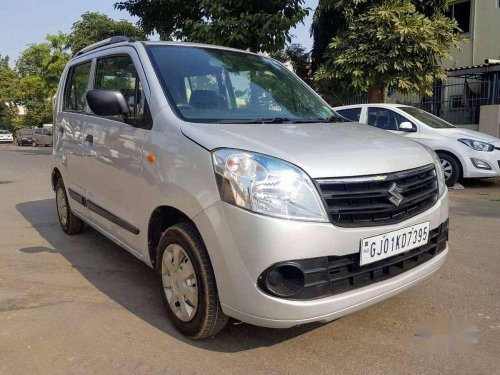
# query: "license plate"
{"type": "Point", "coordinates": [392, 243]}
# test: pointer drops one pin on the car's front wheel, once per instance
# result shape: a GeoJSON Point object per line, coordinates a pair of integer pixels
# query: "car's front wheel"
{"type": "Point", "coordinates": [70, 224]}
{"type": "Point", "coordinates": [451, 169]}
{"type": "Point", "coordinates": [187, 283]}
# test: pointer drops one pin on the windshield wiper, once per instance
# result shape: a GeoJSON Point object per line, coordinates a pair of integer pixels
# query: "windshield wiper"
{"type": "Point", "coordinates": [334, 118]}
{"type": "Point", "coordinates": [283, 120]}
{"type": "Point", "coordinates": [271, 120]}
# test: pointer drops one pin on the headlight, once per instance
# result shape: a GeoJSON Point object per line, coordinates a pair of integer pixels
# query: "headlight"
{"type": "Point", "coordinates": [439, 170]}
{"type": "Point", "coordinates": [266, 185]}
{"type": "Point", "coordinates": [477, 145]}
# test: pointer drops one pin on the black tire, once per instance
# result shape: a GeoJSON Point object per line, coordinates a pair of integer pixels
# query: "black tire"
{"type": "Point", "coordinates": [72, 224]}
{"type": "Point", "coordinates": [450, 163]}
{"type": "Point", "coordinates": [209, 318]}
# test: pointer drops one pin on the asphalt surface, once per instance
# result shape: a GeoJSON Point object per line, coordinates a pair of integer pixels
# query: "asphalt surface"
{"type": "Point", "coordinates": [82, 305]}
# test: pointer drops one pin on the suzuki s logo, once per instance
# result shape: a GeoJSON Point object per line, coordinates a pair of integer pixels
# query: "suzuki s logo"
{"type": "Point", "coordinates": [397, 197]}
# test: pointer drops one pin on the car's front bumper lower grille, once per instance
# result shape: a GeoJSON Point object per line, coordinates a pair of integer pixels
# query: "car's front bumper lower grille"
{"type": "Point", "coordinates": [379, 200]}
{"type": "Point", "coordinates": [339, 274]}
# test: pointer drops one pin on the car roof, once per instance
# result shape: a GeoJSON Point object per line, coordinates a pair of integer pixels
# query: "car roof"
{"type": "Point", "coordinates": [119, 42]}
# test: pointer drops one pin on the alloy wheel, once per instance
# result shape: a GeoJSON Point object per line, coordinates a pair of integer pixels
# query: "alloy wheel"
{"type": "Point", "coordinates": [447, 169]}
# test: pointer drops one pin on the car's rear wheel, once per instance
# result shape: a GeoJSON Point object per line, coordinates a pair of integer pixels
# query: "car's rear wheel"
{"type": "Point", "coordinates": [451, 169]}
{"type": "Point", "coordinates": [187, 283]}
{"type": "Point", "coordinates": [70, 224]}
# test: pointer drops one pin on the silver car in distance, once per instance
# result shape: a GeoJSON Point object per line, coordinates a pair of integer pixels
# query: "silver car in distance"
{"type": "Point", "coordinates": [239, 186]}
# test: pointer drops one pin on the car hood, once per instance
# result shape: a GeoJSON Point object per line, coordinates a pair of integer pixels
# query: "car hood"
{"type": "Point", "coordinates": [457, 133]}
{"type": "Point", "coordinates": [321, 150]}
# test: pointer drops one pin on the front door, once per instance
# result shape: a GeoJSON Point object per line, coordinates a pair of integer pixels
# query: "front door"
{"type": "Point", "coordinates": [114, 145]}
{"type": "Point", "coordinates": [387, 119]}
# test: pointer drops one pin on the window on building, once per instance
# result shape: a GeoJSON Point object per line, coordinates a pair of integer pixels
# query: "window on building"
{"type": "Point", "coordinates": [461, 12]}
{"type": "Point", "coordinates": [457, 102]}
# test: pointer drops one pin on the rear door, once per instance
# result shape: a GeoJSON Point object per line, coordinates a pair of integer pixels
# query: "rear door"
{"type": "Point", "coordinates": [71, 116]}
{"type": "Point", "coordinates": [114, 145]}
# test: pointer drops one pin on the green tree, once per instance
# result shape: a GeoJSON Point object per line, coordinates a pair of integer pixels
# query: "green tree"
{"type": "Point", "coordinates": [94, 27]}
{"type": "Point", "coordinates": [296, 55]}
{"type": "Point", "coordinates": [46, 61]}
{"type": "Point", "coordinates": [386, 43]}
{"type": "Point", "coordinates": [257, 25]}
{"type": "Point", "coordinates": [9, 83]}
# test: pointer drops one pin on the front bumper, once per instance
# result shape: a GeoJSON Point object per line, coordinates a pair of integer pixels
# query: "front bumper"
{"type": "Point", "coordinates": [6, 140]}
{"type": "Point", "coordinates": [242, 245]}
{"type": "Point", "coordinates": [492, 158]}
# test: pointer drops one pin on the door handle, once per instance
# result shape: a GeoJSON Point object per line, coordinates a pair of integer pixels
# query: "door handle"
{"type": "Point", "coordinates": [89, 138]}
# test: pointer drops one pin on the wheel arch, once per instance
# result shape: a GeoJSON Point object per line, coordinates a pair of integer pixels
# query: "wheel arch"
{"type": "Point", "coordinates": [451, 154]}
{"type": "Point", "coordinates": [56, 175]}
{"type": "Point", "coordinates": [161, 218]}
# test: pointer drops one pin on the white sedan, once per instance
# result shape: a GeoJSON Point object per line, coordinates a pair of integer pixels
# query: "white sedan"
{"type": "Point", "coordinates": [6, 136]}
{"type": "Point", "coordinates": [464, 153]}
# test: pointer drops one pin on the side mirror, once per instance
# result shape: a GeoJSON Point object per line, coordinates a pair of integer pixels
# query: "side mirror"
{"type": "Point", "coordinates": [408, 127]}
{"type": "Point", "coordinates": [105, 102]}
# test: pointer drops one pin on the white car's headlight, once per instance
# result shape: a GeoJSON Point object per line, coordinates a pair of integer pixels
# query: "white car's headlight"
{"type": "Point", "coordinates": [266, 185]}
{"type": "Point", "coordinates": [439, 170]}
{"type": "Point", "coordinates": [477, 145]}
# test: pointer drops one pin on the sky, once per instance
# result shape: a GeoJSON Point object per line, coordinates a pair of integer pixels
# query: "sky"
{"type": "Point", "coordinates": [23, 22]}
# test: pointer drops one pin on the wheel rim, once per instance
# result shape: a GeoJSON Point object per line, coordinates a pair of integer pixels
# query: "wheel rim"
{"type": "Point", "coordinates": [62, 210]}
{"type": "Point", "coordinates": [447, 169]}
{"type": "Point", "coordinates": [179, 282]}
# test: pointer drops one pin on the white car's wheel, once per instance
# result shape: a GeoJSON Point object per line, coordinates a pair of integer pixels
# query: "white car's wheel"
{"type": "Point", "coordinates": [451, 169]}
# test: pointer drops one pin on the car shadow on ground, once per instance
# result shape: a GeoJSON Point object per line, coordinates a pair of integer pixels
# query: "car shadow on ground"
{"type": "Point", "coordinates": [132, 284]}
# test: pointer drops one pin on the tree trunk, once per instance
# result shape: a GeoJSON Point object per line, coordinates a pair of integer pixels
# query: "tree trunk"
{"type": "Point", "coordinates": [377, 94]}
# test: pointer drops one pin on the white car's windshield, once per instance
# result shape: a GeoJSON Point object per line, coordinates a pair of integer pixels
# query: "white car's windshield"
{"type": "Point", "coordinates": [216, 85]}
{"type": "Point", "coordinates": [4, 132]}
{"type": "Point", "coordinates": [427, 118]}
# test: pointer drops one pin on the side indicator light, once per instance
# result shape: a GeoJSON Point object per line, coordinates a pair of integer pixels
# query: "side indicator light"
{"type": "Point", "coordinates": [151, 158]}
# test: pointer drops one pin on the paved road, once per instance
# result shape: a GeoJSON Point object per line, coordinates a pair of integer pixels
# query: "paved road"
{"type": "Point", "coordinates": [82, 305]}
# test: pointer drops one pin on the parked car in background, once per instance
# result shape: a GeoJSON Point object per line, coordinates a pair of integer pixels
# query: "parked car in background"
{"type": "Point", "coordinates": [24, 136]}
{"type": "Point", "coordinates": [42, 137]}
{"type": "Point", "coordinates": [6, 136]}
{"type": "Point", "coordinates": [464, 153]}
{"type": "Point", "coordinates": [225, 173]}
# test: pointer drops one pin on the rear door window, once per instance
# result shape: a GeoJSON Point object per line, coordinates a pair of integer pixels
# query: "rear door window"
{"type": "Point", "coordinates": [76, 88]}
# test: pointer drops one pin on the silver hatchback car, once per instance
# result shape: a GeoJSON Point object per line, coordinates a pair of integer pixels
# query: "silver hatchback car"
{"type": "Point", "coordinates": [240, 187]}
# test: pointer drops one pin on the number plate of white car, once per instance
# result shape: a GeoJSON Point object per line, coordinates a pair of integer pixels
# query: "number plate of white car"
{"type": "Point", "coordinates": [389, 244]}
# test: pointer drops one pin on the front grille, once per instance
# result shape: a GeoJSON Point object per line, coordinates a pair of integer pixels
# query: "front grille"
{"type": "Point", "coordinates": [378, 200]}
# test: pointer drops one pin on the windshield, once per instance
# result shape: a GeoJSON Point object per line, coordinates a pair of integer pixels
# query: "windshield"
{"type": "Point", "coordinates": [427, 118]}
{"type": "Point", "coordinates": [214, 85]}
{"type": "Point", "coordinates": [4, 132]}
